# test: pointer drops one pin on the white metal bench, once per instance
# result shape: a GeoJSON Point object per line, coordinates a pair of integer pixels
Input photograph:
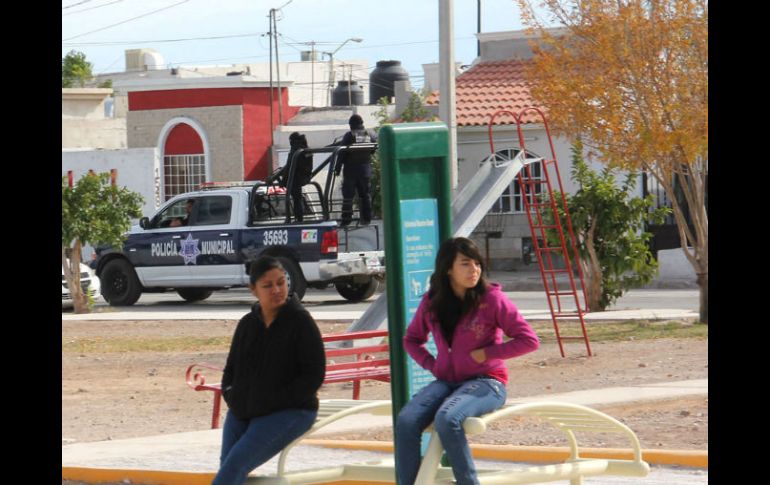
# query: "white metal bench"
{"type": "Point", "coordinates": [569, 418]}
{"type": "Point", "coordinates": [329, 411]}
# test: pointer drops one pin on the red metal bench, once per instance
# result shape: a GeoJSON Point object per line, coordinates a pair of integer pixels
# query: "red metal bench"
{"type": "Point", "coordinates": [365, 365]}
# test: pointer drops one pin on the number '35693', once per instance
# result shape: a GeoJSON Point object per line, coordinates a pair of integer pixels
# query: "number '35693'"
{"type": "Point", "coordinates": [270, 238]}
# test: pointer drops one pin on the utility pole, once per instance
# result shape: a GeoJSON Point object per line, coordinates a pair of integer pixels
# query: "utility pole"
{"type": "Point", "coordinates": [331, 65]}
{"type": "Point", "coordinates": [331, 78]}
{"type": "Point", "coordinates": [270, 68]}
{"type": "Point", "coordinates": [446, 108]}
{"type": "Point", "coordinates": [478, 28]}
{"type": "Point", "coordinates": [350, 86]}
{"type": "Point", "coordinates": [277, 69]}
{"type": "Point", "coordinates": [312, 73]}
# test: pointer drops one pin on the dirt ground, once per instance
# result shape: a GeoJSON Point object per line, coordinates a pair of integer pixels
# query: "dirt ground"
{"type": "Point", "coordinates": [108, 396]}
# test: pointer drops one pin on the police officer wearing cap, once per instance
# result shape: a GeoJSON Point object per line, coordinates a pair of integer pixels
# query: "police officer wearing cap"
{"type": "Point", "coordinates": [356, 168]}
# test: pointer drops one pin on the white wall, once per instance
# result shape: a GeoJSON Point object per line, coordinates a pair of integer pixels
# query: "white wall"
{"type": "Point", "coordinates": [303, 75]}
{"type": "Point", "coordinates": [105, 133]}
{"type": "Point", "coordinates": [84, 103]}
{"type": "Point", "coordinates": [138, 170]}
{"type": "Point", "coordinates": [674, 270]}
{"type": "Point", "coordinates": [83, 121]}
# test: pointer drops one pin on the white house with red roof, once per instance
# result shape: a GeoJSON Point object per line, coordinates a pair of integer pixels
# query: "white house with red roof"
{"type": "Point", "coordinates": [496, 82]}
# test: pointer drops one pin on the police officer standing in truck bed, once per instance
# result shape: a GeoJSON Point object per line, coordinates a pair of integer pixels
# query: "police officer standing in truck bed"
{"type": "Point", "coordinates": [356, 168]}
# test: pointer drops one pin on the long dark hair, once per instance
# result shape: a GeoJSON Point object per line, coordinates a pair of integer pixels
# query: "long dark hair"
{"type": "Point", "coordinates": [443, 302]}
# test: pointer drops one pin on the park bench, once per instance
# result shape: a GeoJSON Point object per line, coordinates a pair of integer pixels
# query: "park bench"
{"type": "Point", "coordinates": [569, 418]}
{"type": "Point", "coordinates": [352, 364]}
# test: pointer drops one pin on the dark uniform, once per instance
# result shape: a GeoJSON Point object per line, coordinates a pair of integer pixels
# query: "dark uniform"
{"type": "Point", "coordinates": [301, 174]}
{"type": "Point", "coordinates": [356, 167]}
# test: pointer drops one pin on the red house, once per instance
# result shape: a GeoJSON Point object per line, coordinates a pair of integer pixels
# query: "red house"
{"type": "Point", "coordinates": [206, 129]}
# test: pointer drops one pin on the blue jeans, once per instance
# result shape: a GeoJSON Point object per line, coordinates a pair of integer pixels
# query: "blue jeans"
{"type": "Point", "coordinates": [247, 444]}
{"type": "Point", "coordinates": [447, 405]}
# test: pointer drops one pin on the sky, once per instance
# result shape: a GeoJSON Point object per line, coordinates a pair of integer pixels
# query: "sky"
{"type": "Point", "coordinates": [222, 32]}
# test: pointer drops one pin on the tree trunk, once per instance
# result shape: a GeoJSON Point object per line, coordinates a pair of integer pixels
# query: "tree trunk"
{"type": "Point", "coordinates": [72, 275]}
{"type": "Point", "coordinates": [594, 288]}
{"type": "Point", "coordinates": [703, 284]}
{"type": "Point", "coordinates": [594, 272]}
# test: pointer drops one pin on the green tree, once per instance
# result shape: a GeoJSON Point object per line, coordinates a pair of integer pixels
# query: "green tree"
{"type": "Point", "coordinates": [93, 212]}
{"type": "Point", "coordinates": [376, 180]}
{"type": "Point", "coordinates": [75, 70]}
{"type": "Point", "coordinates": [631, 78]}
{"type": "Point", "coordinates": [415, 109]}
{"type": "Point", "coordinates": [609, 225]}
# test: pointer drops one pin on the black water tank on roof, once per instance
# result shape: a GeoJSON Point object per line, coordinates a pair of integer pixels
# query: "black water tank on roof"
{"type": "Point", "coordinates": [347, 93]}
{"type": "Point", "coordinates": [382, 80]}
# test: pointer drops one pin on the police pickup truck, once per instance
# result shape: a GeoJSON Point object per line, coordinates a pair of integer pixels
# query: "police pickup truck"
{"type": "Point", "coordinates": [205, 240]}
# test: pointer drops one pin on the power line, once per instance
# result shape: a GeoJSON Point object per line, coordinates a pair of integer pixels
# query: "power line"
{"type": "Point", "coordinates": [111, 64]}
{"type": "Point", "coordinates": [75, 4]}
{"type": "Point", "coordinates": [285, 43]}
{"type": "Point", "coordinates": [89, 8]}
{"type": "Point", "coordinates": [122, 42]}
{"type": "Point", "coordinates": [160, 41]}
{"type": "Point", "coordinates": [126, 21]}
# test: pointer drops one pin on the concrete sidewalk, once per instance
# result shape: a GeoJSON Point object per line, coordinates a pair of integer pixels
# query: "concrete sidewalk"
{"type": "Point", "coordinates": [198, 451]}
{"type": "Point", "coordinates": [529, 279]}
{"type": "Point", "coordinates": [202, 313]}
{"type": "Point", "coordinates": [191, 458]}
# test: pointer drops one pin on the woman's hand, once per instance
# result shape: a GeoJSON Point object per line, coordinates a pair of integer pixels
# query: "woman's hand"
{"type": "Point", "coordinates": [479, 355]}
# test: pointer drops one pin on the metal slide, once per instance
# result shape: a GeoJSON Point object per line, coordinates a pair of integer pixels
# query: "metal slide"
{"type": "Point", "coordinates": [468, 209]}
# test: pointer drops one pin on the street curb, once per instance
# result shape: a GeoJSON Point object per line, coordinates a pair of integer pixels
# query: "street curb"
{"type": "Point", "coordinates": [542, 454]}
{"type": "Point", "coordinates": [101, 475]}
{"type": "Point", "coordinates": [525, 454]}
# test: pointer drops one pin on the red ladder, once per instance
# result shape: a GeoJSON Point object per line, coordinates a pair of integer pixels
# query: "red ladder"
{"type": "Point", "coordinates": [528, 185]}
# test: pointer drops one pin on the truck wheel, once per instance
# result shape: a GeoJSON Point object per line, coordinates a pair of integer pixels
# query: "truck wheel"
{"type": "Point", "coordinates": [297, 283]}
{"type": "Point", "coordinates": [353, 291]}
{"type": "Point", "coordinates": [194, 294]}
{"type": "Point", "coordinates": [120, 286]}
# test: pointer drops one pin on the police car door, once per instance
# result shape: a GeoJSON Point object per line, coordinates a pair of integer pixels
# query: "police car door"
{"type": "Point", "coordinates": [212, 243]}
{"type": "Point", "coordinates": [158, 252]}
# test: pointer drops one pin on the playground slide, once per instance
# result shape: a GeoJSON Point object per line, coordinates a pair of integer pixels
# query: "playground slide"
{"type": "Point", "coordinates": [469, 207]}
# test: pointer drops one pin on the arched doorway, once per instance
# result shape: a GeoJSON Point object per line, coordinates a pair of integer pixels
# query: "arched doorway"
{"type": "Point", "coordinates": [185, 164]}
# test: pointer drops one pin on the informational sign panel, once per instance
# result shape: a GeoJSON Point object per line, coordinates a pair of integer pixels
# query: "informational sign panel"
{"type": "Point", "coordinates": [420, 242]}
{"type": "Point", "coordinates": [417, 217]}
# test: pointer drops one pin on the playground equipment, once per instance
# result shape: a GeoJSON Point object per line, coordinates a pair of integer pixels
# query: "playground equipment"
{"type": "Point", "coordinates": [479, 195]}
{"type": "Point", "coordinates": [538, 209]}
{"type": "Point", "coordinates": [567, 418]}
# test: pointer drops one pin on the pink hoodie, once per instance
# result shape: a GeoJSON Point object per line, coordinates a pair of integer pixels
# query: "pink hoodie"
{"type": "Point", "coordinates": [483, 328]}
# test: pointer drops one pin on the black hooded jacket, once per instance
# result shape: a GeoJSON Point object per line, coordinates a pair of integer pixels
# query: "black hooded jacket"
{"type": "Point", "coordinates": [274, 368]}
{"type": "Point", "coordinates": [304, 163]}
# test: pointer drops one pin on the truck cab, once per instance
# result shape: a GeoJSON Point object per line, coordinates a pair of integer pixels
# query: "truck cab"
{"type": "Point", "coordinates": [205, 240]}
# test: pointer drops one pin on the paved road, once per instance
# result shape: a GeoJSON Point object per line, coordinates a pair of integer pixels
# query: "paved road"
{"type": "Point", "coordinates": [329, 300]}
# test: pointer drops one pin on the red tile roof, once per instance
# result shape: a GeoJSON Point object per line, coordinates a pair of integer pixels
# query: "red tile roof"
{"type": "Point", "coordinates": [488, 87]}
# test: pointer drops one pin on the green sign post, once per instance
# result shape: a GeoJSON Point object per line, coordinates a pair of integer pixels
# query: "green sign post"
{"type": "Point", "coordinates": [417, 218]}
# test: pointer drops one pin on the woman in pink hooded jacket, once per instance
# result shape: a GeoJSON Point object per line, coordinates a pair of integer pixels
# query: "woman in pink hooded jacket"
{"type": "Point", "coordinates": [467, 317]}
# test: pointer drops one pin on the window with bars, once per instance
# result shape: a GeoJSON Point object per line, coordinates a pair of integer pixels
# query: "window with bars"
{"type": "Point", "coordinates": [650, 186]}
{"type": "Point", "coordinates": [511, 201]}
{"type": "Point", "coordinates": [182, 173]}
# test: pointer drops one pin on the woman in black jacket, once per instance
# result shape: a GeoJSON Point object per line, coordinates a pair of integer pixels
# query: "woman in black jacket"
{"type": "Point", "coordinates": [274, 369]}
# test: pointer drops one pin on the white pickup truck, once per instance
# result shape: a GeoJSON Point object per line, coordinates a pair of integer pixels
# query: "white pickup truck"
{"type": "Point", "coordinates": [203, 241]}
